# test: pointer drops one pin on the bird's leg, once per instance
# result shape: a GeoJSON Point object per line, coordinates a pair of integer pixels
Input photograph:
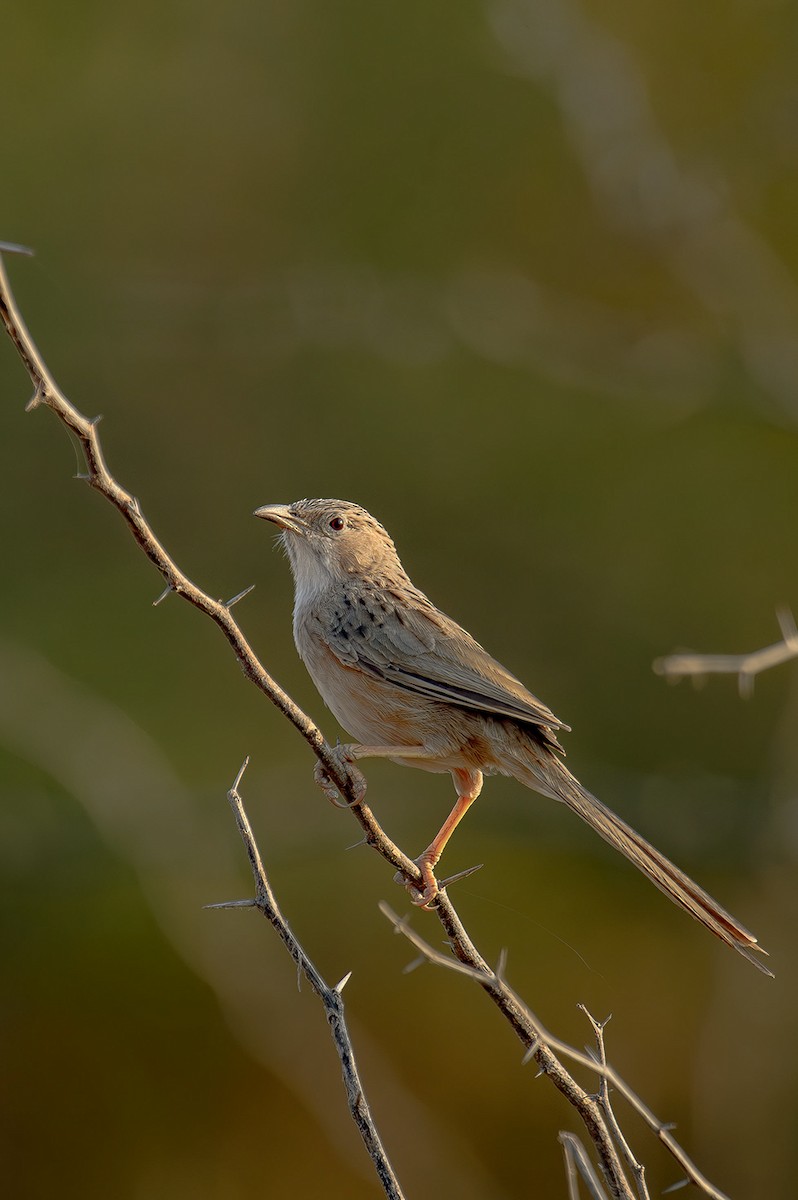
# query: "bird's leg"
{"type": "Point", "coordinates": [355, 750]}
{"type": "Point", "coordinates": [468, 785]}
{"type": "Point", "coordinates": [348, 754]}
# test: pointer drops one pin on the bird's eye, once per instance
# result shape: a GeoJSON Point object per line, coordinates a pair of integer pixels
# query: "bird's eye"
{"type": "Point", "coordinates": [336, 523]}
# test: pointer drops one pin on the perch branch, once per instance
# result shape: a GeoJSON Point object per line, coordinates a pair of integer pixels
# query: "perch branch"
{"type": "Point", "coordinates": [331, 997]}
{"type": "Point", "coordinates": [347, 779]}
{"type": "Point", "coordinates": [745, 666]}
{"type": "Point", "coordinates": [46, 392]}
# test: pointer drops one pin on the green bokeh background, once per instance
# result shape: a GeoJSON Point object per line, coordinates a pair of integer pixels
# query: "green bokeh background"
{"type": "Point", "coordinates": [520, 278]}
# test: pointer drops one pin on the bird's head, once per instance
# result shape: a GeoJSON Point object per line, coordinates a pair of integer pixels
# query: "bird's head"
{"type": "Point", "coordinates": [331, 541]}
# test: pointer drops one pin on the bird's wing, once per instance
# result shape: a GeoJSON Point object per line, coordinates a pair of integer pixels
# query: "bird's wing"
{"type": "Point", "coordinates": [418, 648]}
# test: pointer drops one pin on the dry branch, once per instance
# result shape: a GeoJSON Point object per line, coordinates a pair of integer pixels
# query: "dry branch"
{"type": "Point", "coordinates": [745, 666]}
{"type": "Point", "coordinates": [577, 1163]}
{"type": "Point", "coordinates": [543, 1046]}
{"type": "Point", "coordinates": [331, 997]}
{"type": "Point", "coordinates": [636, 1167]}
{"type": "Point", "coordinates": [348, 780]}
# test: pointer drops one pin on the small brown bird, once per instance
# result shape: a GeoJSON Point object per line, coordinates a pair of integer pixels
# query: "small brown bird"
{"type": "Point", "coordinates": [414, 687]}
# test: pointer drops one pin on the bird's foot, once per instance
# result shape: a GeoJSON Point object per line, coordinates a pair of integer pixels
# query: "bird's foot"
{"type": "Point", "coordinates": [345, 757]}
{"type": "Point", "coordinates": [425, 891]}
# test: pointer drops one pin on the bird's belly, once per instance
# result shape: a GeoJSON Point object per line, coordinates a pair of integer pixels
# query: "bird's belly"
{"type": "Point", "coordinates": [378, 713]}
{"type": "Point", "coordinates": [374, 712]}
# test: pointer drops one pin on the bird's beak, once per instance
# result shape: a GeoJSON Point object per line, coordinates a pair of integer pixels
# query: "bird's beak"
{"type": "Point", "coordinates": [279, 514]}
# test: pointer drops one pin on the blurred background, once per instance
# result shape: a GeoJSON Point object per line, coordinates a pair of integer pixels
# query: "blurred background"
{"type": "Point", "coordinates": [520, 278]}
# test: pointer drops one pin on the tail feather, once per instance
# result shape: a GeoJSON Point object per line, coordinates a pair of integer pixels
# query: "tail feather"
{"type": "Point", "coordinates": [554, 779]}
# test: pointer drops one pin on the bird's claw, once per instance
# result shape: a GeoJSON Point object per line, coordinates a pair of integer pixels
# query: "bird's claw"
{"type": "Point", "coordinates": [323, 780]}
{"type": "Point", "coordinates": [423, 892]}
{"type": "Point", "coordinates": [346, 759]}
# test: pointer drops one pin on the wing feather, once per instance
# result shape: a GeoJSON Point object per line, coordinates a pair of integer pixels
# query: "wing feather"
{"type": "Point", "coordinates": [417, 648]}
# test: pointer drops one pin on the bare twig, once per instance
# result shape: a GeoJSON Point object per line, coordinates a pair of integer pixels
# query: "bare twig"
{"type": "Point", "coordinates": [533, 1033]}
{"type": "Point", "coordinates": [346, 778]}
{"type": "Point", "coordinates": [745, 666]}
{"type": "Point", "coordinates": [578, 1163]}
{"type": "Point", "coordinates": [50, 720]}
{"type": "Point", "coordinates": [266, 902]}
{"type": "Point", "coordinates": [636, 1167]}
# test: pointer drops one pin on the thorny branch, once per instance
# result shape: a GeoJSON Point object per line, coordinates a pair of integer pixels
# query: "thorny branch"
{"type": "Point", "coordinates": [46, 392]}
{"type": "Point", "coordinates": [637, 1168]}
{"type": "Point", "coordinates": [745, 666]}
{"type": "Point", "coordinates": [331, 997]}
{"type": "Point", "coordinates": [541, 1045]}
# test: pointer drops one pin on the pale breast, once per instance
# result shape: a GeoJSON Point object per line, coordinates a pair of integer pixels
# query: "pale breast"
{"type": "Point", "coordinates": [370, 710]}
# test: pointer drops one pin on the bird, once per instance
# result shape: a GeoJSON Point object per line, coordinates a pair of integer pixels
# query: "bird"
{"type": "Point", "coordinates": [413, 687]}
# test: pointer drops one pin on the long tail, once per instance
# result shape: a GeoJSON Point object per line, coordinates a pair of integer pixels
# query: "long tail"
{"type": "Point", "coordinates": [550, 776]}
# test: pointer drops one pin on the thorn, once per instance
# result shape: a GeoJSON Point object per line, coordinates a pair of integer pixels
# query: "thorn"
{"type": "Point", "coordinates": [169, 588]}
{"type": "Point", "coordinates": [36, 399]}
{"type": "Point", "coordinates": [675, 1187]}
{"type": "Point", "coordinates": [83, 477]}
{"type": "Point", "coordinates": [341, 984]}
{"type": "Point", "coordinates": [417, 962]}
{"type": "Point", "coordinates": [362, 842]}
{"type": "Point", "coordinates": [240, 774]}
{"type": "Point", "coordinates": [133, 503]}
{"type": "Point", "coordinates": [233, 904]}
{"type": "Point", "coordinates": [460, 875]}
{"type": "Point", "coordinates": [531, 1052]}
{"type": "Point", "coordinates": [240, 596]}
{"type": "Point", "coordinates": [94, 421]}
{"type": "Point", "coordinates": [501, 964]}
{"type": "Point", "coordinates": [667, 1126]}
{"type": "Point", "coordinates": [599, 1025]}
{"type": "Point", "coordinates": [14, 248]}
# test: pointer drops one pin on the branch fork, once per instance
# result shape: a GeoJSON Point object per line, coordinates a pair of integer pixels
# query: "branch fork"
{"type": "Point", "coordinates": [746, 667]}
